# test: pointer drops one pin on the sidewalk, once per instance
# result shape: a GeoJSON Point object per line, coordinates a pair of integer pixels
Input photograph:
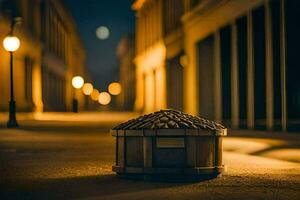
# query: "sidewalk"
{"type": "Point", "coordinates": [277, 145]}
{"type": "Point", "coordinates": [68, 118]}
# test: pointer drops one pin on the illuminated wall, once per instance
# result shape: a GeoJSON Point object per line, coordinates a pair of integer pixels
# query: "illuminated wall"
{"type": "Point", "coordinates": [126, 53]}
{"type": "Point", "coordinates": [27, 59]}
{"type": "Point", "coordinates": [150, 56]}
{"type": "Point", "coordinates": [155, 44]}
{"type": "Point", "coordinates": [243, 77]}
{"type": "Point", "coordinates": [63, 57]}
{"type": "Point", "coordinates": [50, 54]}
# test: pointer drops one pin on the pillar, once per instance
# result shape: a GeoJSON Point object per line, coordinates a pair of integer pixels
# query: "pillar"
{"type": "Point", "coordinates": [250, 72]}
{"type": "Point", "coordinates": [217, 78]}
{"type": "Point", "coordinates": [269, 68]}
{"type": "Point", "coordinates": [234, 78]}
{"type": "Point", "coordinates": [283, 65]}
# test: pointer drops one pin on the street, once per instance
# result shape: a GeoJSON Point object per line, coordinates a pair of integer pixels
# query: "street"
{"type": "Point", "coordinates": [71, 159]}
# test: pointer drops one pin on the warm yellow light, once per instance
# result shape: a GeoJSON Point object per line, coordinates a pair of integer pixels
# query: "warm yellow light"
{"type": "Point", "coordinates": [87, 88]}
{"type": "Point", "coordinates": [114, 88]}
{"type": "Point", "coordinates": [183, 60]}
{"type": "Point", "coordinates": [95, 95]}
{"type": "Point", "coordinates": [11, 43]}
{"type": "Point", "coordinates": [77, 82]}
{"type": "Point", "coordinates": [104, 98]}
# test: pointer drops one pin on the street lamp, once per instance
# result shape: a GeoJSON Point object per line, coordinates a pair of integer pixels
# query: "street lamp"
{"type": "Point", "coordinates": [87, 89]}
{"type": "Point", "coordinates": [104, 98]}
{"type": "Point", "coordinates": [77, 83]}
{"type": "Point", "coordinates": [115, 88]}
{"type": "Point", "coordinates": [11, 43]}
{"type": "Point", "coordinates": [95, 95]}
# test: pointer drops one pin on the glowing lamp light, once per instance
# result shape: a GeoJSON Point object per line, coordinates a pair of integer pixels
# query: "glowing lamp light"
{"type": "Point", "coordinates": [114, 88]}
{"type": "Point", "coordinates": [102, 32]}
{"type": "Point", "coordinates": [87, 88]}
{"type": "Point", "coordinates": [95, 95]}
{"type": "Point", "coordinates": [184, 60]}
{"type": "Point", "coordinates": [11, 43]}
{"type": "Point", "coordinates": [104, 98]}
{"type": "Point", "coordinates": [77, 82]}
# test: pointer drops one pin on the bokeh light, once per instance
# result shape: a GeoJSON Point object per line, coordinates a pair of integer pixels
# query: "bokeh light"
{"type": "Point", "coordinates": [102, 32]}
{"type": "Point", "coordinates": [114, 88]}
{"type": "Point", "coordinates": [87, 88]}
{"type": "Point", "coordinates": [11, 43]}
{"type": "Point", "coordinates": [95, 95]}
{"type": "Point", "coordinates": [104, 98]}
{"type": "Point", "coordinates": [77, 82]}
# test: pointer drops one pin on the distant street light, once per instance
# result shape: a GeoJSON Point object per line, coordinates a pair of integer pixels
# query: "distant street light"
{"type": "Point", "coordinates": [114, 88]}
{"type": "Point", "coordinates": [104, 98]}
{"type": "Point", "coordinates": [77, 83]}
{"type": "Point", "coordinates": [87, 89]}
{"type": "Point", "coordinates": [95, 95]}
{"type": "Point", "coordinates": [11, 43]}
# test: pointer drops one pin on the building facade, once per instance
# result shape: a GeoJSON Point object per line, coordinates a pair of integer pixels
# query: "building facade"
{"type": "Point", "coordinates": [126, 53]}
{"type": "Point", "coordinates": [227, 60]}
{"type": "Point", "coordinates": [50, 54]}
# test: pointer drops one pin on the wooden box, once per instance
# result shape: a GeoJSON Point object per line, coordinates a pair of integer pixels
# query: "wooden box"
{"type": "Point", "coordinates": [189, 151]}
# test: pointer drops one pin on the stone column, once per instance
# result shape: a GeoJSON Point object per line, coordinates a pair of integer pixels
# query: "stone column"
{"type": "Point", "coordinates": [250, 72]}
{"type": "Point", "coordinates": [269, 68]}
{"type": "Point", "coordinates": [217, 78]}
{"type": "Point", "coordinates": [234, 78]}
{"type": "Point", "coordinates": [283, 65]}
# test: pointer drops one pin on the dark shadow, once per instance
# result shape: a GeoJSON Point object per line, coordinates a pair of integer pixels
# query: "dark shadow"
{"type": "Point", "coordinates": [77, 187]}
{"type": "Point", "coordinates": [263, 151]}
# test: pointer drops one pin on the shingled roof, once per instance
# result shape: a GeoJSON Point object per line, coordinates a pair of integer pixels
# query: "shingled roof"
{"type": "Point", "coordinates": [165, 119]}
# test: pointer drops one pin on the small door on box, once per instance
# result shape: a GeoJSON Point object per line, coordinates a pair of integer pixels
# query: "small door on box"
{"type": "Point", "coordinates": [169, 152]}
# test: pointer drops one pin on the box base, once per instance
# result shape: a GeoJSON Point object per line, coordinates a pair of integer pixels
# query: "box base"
{"type": "Point", "coordinates": [195, 174]}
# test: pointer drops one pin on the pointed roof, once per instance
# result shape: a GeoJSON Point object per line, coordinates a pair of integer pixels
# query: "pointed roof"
{"type": "Point", "coordinates": [169, 119]}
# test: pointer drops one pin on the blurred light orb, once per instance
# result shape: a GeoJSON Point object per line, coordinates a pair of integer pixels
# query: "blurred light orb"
{"type": "Point", "coordinates": [11, 43]}
{"type": "Point", "coordinates": [184, 60]}
{"type": "Point", "coordinates": [115, 88]}
{"type": "Point", "coordinates": [102, 32]}
{"type": "Point", "coordinates": [104, 98]}
{"type": "Point", "coordinates": [77, 82]}
{"type": "Point", "coordinates": [87, 88]}
{"type": "Point", "coordinates": [95, 95]}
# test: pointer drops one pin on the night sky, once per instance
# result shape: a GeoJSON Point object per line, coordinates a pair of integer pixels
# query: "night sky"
{"type": "Point", "coordinates": [118, 16]}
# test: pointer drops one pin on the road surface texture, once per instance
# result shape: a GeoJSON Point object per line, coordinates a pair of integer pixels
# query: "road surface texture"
{"type": "Point", "coordinates": [57, 157]}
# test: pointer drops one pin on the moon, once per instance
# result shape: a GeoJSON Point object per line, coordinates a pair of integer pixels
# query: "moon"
{"type": "Point", "coordinates": [102, 32]}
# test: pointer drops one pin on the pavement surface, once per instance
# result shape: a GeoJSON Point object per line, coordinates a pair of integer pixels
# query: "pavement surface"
{"type": "Point", "coordinates": [70, 157]}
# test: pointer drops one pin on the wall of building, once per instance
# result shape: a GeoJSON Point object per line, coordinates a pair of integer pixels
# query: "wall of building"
{"type": "Point", "coordinates": [238, 60]}
{"type": "Point", "coordinates": [150, 58]}
{"type": "Point", "coordinates": [50, 54]}
{"type": "Point", "coordinates": [63, 57]}
{"type": "Point", "coordinates": [27, 77]}
{"type": "Point", "coordinates": [126, 53]}
{"type": "Point", "coordinates": [159, 39]}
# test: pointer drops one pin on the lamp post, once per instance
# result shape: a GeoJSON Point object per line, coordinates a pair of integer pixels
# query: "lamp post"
{"type": "Point", "coordinates": [77, 83]}
{"type": "Point", "coordinates": [11, 43]}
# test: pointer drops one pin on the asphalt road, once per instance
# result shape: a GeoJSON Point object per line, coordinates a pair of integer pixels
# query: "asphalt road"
{"type": "Point", "coordinates": [72, 160]}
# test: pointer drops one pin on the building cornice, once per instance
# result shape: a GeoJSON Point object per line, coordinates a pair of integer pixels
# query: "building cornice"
{"type": "Point", "coordinates": [138, 4]}
{"type": "Point", "coordinates": [174, 42]}
{"type": "Point", "coordinates": [200, 9]}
